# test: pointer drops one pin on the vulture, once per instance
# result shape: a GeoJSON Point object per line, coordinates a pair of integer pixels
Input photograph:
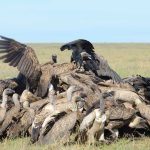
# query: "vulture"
{"type": "Point", "coordinates": [95, 63]}
{"type": "Point", "coordinates": [3, 105]}
{"type": "Point", "coordinates": [94, 123]}
{"type": "Point", "coordinates": [7, 83]}
{"type": "Point", "coordinates": [24, 58]}
{"type": "Point", "coordinates": [11, 114]}
{"type": "Point", "coordinates": [54, 58]}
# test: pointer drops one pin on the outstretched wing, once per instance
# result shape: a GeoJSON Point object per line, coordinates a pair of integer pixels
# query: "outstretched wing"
{"type": "Point", "coordinates": [20, 56]}
{"type": "Point", "coordinates": [80, 43]}
{"type": "Point", "coordinates": [105, 71]}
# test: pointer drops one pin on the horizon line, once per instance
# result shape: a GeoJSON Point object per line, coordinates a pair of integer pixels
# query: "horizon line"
{"type": "Point", "coordinates": [90, 41]}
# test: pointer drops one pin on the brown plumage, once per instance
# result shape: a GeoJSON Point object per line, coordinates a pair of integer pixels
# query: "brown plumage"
{"type": "Point", "coordinates": [141, 85]}
{"type": "Point", "coordinates": [7, 83]}
{"type": "Point", "coordinates": [28, 96]}
{"type": "Point", "coordinates": [40, 117]}
{"type": "Point", "coordinates": [97, 128]}
{"type": "Point", "coordinates": [38, 120]}
{"type": "Point", "coordinates": [54, 106]}
{"type": "Point", "coordinates": [3, 105]}
{"type": "Point", "coordinates": [110, 85]}
{"type": "Point", "coordinates": [63, 68]}
{"type": "Point", "coordinates": [38, 105]}
{"type": "Point", "coordinates": [119, 116]}
{"type": "Point", "coordinates": [22, 123]}
{"type": "Point", "coordinates": [120, 113]}
{"type": "Point", "coordinates": [13, 130]}
{"type": "Point", "coordinates": [123, 95]}
{"type": "Point", "coordinates": [11, 114]}
{"type": "Point", "coordinates": [58, 126]}
{"type": "Point", "coordinates": [24, 58]}
{"type": "Point", "coordinates": [61, 130]}
{"type": "Point", "coordinates": [46, 108]}
{"type": "Point", "coordinates": [144, 110]}
{"type": "Point", "coordinates": [93, 123]}
{"type": "Point", "coordinates": [86, 82]}
{"type": "Point", "coordinates": [139, 123]}
{"type": "Point", "coordinates": [27, 119]}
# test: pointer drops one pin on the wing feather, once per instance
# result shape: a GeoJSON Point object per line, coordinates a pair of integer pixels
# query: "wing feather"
{"type": "Point", "coordinates": [30, 68]}
{"type": "Point", "coordinates": [11, 57]}
{"type": "Point", "coordinates": [16, 60]}
{"type": "Point", "coordinates": [105, 70]}
{"type": "Point", "coordinates": [21, 63]}
{"type": "Point", "coordinates": [21, 56]}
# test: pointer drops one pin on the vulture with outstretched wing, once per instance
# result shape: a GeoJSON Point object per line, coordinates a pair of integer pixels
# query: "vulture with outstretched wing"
{"type": "Point", "coordinates": [24, 58]}
{"type": "Point", "coordinates": [78, 46]}
{"type": "Point", "coordinates": [83, 51]}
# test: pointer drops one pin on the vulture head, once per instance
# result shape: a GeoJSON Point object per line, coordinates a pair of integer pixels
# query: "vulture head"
{"type": "Point", "coordinates": [54, 58]}
{"type": "Point", "coordinates": [8, 91]}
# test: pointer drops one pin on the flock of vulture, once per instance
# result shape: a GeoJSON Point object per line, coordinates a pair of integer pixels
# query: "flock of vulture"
{"type": "Point", "coordinates": [82, 101]}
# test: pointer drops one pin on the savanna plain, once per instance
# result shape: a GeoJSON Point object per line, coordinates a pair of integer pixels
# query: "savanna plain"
{"type": "Point", "coordinates": [126, 59]}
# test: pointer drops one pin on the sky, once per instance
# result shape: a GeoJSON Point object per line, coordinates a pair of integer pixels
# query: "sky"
{"type": "Point", "coordinates": [67, 20]}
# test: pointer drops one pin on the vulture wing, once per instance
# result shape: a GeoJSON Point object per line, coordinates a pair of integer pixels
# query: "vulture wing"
{"type": "Point", "coordinates": [23, 57]}
{"type": "Point", "coordinates": [81, 44]}
{"type": "Point", "coordinates": [105, 71]}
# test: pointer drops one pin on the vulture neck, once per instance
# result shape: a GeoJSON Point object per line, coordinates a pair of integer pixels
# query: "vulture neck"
{"type": "Point", "coordinates": [26, 106]}
{"type": "Point", "coordinates": [51, 94]}
{"type": "Point", "coordinates": [16, 100]}
{"type": "Point", "coordinates": [70, 92]}
{"type": "Point", "coordinates": [102, 104]}
{"type": "Point", "coordinates": [4, 100]}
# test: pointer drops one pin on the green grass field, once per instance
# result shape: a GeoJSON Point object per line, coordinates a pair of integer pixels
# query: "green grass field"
{"type": "Point", "coordinates": [126, 59]}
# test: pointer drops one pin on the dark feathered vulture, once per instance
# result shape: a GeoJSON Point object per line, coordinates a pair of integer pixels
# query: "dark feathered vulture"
{"type": "Point", "coordinates": [24, 58]}
{"type": "Point", "coordinates": [83, 51]}
{"type": "Point", "coordinates": [78, 46]}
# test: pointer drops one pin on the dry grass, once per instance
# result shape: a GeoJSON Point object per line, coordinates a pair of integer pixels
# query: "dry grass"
{"type": "Point", "coordinates": [126, 59]}
{"type": "Point", "coordinates": [122, 144]}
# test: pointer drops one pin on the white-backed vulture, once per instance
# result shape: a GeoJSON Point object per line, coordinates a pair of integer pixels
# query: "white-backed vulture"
{"type": "Point", "coordinates": [39, 118]}
{"type": "Point", "coordinates": [11, 114]}
{"type": "Point", "coordinates": [57, 107]}
{"type": "Point", "coordinates": [119, 116]}
{"type": "Point", "coordinates": [3, 105]}
{"type": "Point", "coordinates": [24, 58]}
{"type": "Point", "coordinates": [7, 83]}
{"type": "Point", "coordinates": [141, 85]}
{"type": "Point", "coordinates": [22, 122]}
{"type": "Point", "coordinates": [93, 123]}
{"type": "Point", "coordinates": [123, 95]}
{"type": "Point", "coordinates": [59, 125]}
{"type": "Point", "coordinates": [61, 130]}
